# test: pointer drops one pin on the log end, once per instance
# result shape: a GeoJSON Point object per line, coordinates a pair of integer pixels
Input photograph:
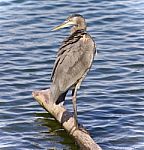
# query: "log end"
{"type": "Point", "coordinates": [81, 136]}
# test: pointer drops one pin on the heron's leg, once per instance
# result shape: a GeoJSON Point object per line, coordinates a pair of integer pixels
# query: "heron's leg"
{"type": "Point", "coordinates": [75, 106]}
{"type": "Point", "coordinates": [74, 93]}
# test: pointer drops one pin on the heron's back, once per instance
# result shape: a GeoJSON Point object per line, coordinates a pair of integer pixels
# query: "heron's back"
{"type": "Point", "coordinates": [73, 61]}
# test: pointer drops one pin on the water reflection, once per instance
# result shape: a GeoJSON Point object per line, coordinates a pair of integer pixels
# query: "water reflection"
{"type": "Point", "coordinates": [55, 130]}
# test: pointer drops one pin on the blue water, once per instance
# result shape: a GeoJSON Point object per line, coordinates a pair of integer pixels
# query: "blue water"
{"type": "Point", "coordinates": [111, 99]}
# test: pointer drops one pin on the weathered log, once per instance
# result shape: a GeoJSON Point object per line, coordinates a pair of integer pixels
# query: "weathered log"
{"type": "Point", "coordinates": [66, 118]}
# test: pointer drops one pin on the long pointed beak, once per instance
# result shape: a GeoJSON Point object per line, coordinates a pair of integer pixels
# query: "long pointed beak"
{"type": "Point", "coordinates": [63, 25]}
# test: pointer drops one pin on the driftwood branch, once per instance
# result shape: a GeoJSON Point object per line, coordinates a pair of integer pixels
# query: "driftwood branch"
{"type": "Point", "coordinates": [64, 117]}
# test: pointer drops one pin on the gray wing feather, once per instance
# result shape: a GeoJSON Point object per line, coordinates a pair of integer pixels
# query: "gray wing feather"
{"type": "Point", "coordinates": [71, 65]}
{"type": "Point", "coordinates": [67, 45]}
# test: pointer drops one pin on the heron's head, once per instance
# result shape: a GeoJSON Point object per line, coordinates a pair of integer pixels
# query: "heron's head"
{"type": "Point", "coordinates": [76, 21]}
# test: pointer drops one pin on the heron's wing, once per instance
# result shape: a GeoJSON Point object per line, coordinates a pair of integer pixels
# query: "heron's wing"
{"type": "Point", "coordinates": [67, 44]}
{"type": "Point", "coordinates": [74, 62]}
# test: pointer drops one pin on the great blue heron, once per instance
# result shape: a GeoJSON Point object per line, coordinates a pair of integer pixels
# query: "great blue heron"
{"type": "Point", "coordinates": [74, 59]}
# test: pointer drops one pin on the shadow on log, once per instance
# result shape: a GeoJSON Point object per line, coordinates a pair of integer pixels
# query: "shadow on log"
{"type": "Point", "coordinates": [66, 118]}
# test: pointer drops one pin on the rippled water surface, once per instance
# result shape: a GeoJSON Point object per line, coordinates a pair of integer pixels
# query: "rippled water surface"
{"type": "Point", "coordinates": [111, 99]}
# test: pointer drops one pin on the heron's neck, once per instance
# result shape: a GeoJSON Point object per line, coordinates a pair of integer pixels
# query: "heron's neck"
{"type": "Point", "coordinates": [81, 26]}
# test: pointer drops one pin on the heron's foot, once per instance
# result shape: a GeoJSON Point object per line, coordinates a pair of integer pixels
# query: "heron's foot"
{"type": "Point", "coordinates": [83, 129]}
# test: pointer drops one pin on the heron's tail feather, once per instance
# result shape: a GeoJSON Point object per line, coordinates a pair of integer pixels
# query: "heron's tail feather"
{"type": "Point", "coordinates": [61, 98]}
{"type": "Point", "coordinates": [57, 95]}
